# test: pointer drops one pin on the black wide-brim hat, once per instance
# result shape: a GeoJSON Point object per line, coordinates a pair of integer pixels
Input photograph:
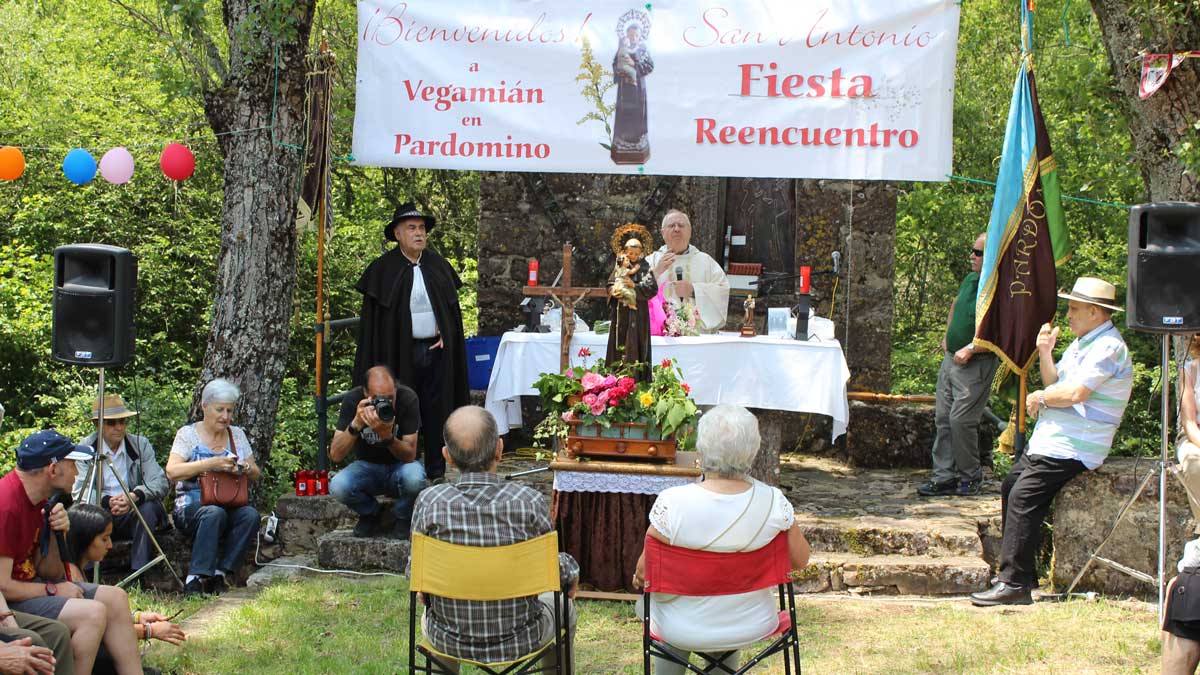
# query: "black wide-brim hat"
{"type": "Point", "coordinates": [404, 212]}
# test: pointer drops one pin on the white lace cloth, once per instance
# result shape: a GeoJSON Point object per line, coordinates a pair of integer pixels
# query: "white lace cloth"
{"type": "Point", "coordinates": [626, 483]}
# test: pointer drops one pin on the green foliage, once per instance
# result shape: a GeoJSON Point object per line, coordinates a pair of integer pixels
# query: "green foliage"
{"type": "Point", "coordinates": [89, 74]}
{"type": "Point", "coordinates": [936, 223]}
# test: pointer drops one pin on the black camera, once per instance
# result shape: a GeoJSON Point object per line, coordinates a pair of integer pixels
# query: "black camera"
{"type": "Point", "coordinates": [384, 408]}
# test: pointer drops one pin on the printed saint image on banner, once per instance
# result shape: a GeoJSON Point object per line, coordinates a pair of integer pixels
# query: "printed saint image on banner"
{"type": "Point", "coordinates": [631, 65]}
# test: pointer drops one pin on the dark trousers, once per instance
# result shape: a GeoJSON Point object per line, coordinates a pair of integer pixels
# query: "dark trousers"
{"type": "Point", "coordinates": [207, 525]}
{"type": "Point", "coordinates": [1026, 495]}
{"type": "Point", "coordinates": [128, 526]}
{"type": "Point", "coordinates": [428, 367]}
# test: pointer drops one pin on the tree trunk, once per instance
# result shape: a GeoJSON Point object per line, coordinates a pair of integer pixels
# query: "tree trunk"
{"type": "Point", "coordinates": [257, 112]}
{"type": "Point", "coordinates": [1161, 124]}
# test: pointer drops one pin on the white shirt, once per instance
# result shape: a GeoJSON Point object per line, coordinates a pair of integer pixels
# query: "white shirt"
{"type": "Point", "coordinates": [424, 323]}
{"type": "Point", "coordinates": [693, 517]}
{"type": "Point", "coordinates": [120, 463]}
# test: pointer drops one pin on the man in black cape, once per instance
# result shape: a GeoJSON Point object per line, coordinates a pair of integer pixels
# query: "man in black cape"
{"type": "Point", "coordinates": [411, 322]}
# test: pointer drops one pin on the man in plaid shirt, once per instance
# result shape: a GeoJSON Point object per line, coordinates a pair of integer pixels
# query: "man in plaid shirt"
{"type": "Point", "coordinates": [482, 509]}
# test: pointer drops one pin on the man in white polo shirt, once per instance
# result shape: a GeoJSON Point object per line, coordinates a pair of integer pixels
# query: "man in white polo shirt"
{"type": "Point", "coordinates": [1078, 413]}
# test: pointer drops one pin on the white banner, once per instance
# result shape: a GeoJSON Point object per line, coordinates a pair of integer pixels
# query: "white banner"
{"type": "Point", "coordinates": [845, 89]}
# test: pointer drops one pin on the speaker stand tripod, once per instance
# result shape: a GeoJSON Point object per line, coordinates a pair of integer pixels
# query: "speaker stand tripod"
{"type": "Point", "coordinates": [1161, 470]}
{"type": "Point", "coordinates": [95, 482]}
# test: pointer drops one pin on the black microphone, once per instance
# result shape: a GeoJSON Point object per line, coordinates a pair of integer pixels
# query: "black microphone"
{"type": "Point", "coordinates": [64, 553]}
{"type": "Point", "coordinates": [678, 273]}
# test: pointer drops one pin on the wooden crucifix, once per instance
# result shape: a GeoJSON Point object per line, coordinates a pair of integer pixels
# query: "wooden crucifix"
{"type": "Point", "coordinates": [567, 295]}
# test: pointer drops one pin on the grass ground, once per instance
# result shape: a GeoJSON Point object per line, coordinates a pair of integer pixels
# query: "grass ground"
{"type": "Point", "coordinates": [334, 625]}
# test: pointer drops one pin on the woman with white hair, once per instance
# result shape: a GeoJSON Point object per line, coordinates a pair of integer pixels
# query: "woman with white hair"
{"type": "Point", "coordinates": [212, 444]}
{"type": "Point", "coordinates": [727, 511]}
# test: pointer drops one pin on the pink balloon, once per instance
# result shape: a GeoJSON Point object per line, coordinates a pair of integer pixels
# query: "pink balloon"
{"type": "Point", "coordinates": [117, 166]}
{"type": "Point", "coordinates": [177, 162]}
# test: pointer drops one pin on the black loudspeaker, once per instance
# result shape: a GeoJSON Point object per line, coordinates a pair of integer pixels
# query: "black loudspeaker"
{"type": "Point", "coordinates": [1164, 268]}
{"type": "Point", "coordinates": [93, 305]}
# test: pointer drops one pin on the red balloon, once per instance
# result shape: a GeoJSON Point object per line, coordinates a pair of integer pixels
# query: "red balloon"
{"type": "Point", "coordinates": [177, 162]}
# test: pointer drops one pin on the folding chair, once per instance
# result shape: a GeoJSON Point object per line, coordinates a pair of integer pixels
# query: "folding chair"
{"type": "Point", "coordinates": [685, 571]}
{"type": "Point", "coordinates": [487, 573]}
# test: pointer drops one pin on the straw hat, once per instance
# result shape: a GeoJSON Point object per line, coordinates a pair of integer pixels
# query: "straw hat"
{"type": "Point", "coordinates": [114, 408]}
{"type": "Point", "coordinates": [1094, 291]}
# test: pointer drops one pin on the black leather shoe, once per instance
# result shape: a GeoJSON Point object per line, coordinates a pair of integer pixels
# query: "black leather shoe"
{"type": "Point", "coordinates": [1002, 594]}
{"type": "Point", "coordinates": [216, 584]}
{"type": "Point", "coordinates": [195, 587]}
{"type": "Point", "coordinates": [969, 488]}
{"type": "Point", "coordinates": [932, 489]}
{"type": "Point", "coordinates": [367, 526]}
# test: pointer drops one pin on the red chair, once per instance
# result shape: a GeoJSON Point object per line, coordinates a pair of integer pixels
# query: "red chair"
{"type": "Point", "coordinates": [685, 571]}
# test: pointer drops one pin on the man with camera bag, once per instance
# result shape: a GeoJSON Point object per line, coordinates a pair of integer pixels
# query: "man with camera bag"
{"type": "Point", "coordinates": [381, 424]}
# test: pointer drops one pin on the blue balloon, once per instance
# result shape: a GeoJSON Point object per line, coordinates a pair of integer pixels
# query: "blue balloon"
{"type": "Point", "coordinates": [79, 166]}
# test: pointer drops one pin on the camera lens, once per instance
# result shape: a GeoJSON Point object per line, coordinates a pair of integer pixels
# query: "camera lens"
{"type": "Point", "coordinates": [383, 408]}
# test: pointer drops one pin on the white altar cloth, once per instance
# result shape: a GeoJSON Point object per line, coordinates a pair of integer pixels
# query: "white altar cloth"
{"type": "Point", "coordinates": [759, 372]}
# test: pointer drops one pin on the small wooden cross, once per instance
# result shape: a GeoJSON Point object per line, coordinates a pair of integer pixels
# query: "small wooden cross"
{"type": "Point", "coordinates": [567, 295]}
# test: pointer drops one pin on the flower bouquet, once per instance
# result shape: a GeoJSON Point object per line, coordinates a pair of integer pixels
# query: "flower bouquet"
{"type": "Point", "coordinates": [682, 318]}
{"type": "Point", "coordinates": [601, 411]}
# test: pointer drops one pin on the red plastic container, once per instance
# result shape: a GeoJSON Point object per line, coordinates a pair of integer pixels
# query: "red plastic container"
{"type": "Point", "coordinates": [533, 272]}
{"type": "Point", "coordinates": [301, 483]}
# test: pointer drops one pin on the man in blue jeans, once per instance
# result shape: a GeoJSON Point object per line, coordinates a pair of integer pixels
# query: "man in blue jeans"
{"type": "Point", "coordinates": [381, 424]}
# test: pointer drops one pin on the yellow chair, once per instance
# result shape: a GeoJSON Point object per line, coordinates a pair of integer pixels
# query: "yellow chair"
{"type": "Point", "coordinates": [487, 573]}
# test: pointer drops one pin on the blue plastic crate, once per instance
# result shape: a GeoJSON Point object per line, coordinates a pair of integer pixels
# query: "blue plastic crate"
{"type": "Point", "coordinates": [481, 356]}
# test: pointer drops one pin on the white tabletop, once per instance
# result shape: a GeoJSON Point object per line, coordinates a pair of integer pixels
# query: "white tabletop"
{"type": "Point", "coordinates": [760, 372]}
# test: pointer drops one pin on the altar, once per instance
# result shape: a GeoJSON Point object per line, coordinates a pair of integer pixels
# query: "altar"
{"type": "Point", "coordinates": [760, 372]}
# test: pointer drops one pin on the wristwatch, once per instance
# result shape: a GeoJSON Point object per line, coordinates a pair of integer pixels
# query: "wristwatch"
{"type": "Point", "coordinates": [353, 430]}
{"type": "Point", "coordinates": [51, 590]}
{"type": "Point", "coordinates": [1042, 401]}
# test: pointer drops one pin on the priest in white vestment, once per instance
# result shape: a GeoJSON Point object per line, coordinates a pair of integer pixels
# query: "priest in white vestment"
{"type": "Point", "coordinates": [685, 272]}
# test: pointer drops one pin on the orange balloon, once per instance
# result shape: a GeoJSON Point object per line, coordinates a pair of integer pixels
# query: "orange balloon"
{"type": "Point", "coordinates": [12, 163]}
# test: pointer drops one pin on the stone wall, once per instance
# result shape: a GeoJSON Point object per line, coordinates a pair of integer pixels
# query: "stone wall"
{"type": "Point", "coordinates": [525, 216]}
{"type": "Point", "coordinates": [1084, 513]}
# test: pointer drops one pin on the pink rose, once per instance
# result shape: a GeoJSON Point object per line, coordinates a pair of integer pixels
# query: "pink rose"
{"type": "Point", "coordinates": [610, 381]}
{"type": "Point", "coordinates": [570, 373]}
{"type": "Point", "coordinates": [568, 416]}
{"type": "Point", "coordinates": [589, 400]}
{"type": "Point", "coordinates": [592, 381]}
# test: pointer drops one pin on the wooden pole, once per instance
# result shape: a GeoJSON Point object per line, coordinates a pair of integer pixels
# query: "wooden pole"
{"type": "Point", "coordinates": [1019, 437]}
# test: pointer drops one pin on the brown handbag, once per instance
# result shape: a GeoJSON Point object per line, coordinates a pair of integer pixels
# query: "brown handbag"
{"type": "Point", "coordinates": [223, 488]}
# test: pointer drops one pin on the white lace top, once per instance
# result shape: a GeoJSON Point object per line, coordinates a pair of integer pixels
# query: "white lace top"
{"type": "Point", "coordinates": [693, 517]}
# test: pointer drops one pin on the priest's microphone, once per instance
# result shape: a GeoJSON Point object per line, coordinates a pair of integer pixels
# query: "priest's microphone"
{"type": "Point", "coordinates": [678, 273]}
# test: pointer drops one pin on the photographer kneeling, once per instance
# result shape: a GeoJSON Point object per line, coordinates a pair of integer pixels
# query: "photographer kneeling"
{"type": "Point", "coordinates": [381, 425]}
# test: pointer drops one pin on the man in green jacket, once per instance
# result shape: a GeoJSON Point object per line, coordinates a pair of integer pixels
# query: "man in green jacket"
{"type": "Point", "coordinates": [963, 383]}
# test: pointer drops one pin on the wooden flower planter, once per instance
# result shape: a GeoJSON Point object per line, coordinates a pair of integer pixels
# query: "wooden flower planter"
{"type": "Point", "coordinates": [629, 440]}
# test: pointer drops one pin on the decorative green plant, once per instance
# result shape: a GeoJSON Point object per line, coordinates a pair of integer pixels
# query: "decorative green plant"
{"type": "Point", "coordinates": [601, 395]}
{"type": "Point", "coordinates": [596, 83]}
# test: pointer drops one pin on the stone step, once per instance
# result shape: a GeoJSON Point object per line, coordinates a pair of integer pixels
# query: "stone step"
{"type": "Point", "coordinates": [874, 535]}
{"type": "Point", "coordinates": [894, 574]}
{"type": "Point", "coordinates": [341, 550]}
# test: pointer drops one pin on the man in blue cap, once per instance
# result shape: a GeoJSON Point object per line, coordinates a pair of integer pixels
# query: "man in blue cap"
{"type": "Point", "coordinates": [30, 566]}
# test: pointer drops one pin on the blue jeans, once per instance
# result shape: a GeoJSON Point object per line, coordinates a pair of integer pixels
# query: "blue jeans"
{"type": "Point", "coordinates": [357, 486]}
{"type": "Point", "coordinates": [206, 525]}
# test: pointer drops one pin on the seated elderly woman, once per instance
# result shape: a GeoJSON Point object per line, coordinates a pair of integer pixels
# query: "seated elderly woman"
{"type": "Point", "coordinates": [212, 444]}
{"type": "Point", "coordinates": [90, 540]}
{"type": "Point", "coordinates": [726, 511]}
{"type": "Point", "coordinates": [1189, 446]}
